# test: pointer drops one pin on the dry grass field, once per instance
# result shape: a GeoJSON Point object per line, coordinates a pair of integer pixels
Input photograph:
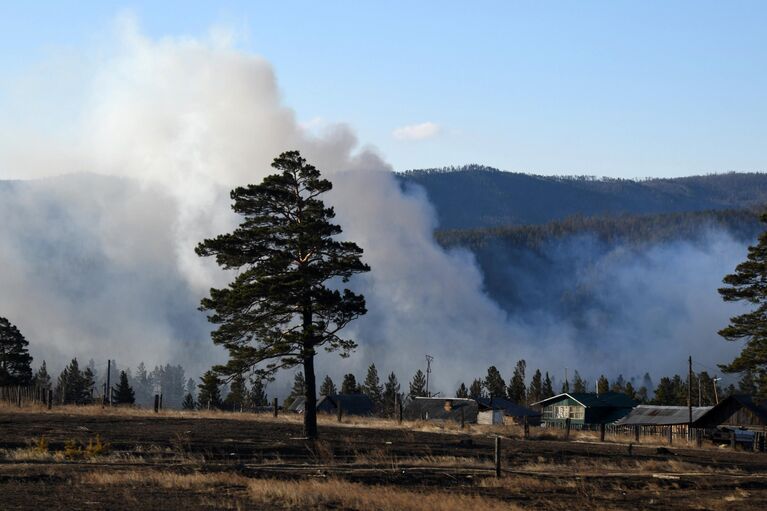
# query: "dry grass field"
{"type": "Point", "coordinates": [94, 458]}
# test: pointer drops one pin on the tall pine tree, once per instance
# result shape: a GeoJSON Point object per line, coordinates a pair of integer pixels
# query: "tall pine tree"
{"type": "Point", "coordinates": [494, 384]}
{"type": "Point", "coordinates": [462, 391]}
{"type": "Point", "coordinates": [15, 360]}
{"type": "Point", "coordinates": [747, 284]}
{"type": "Point", "coordinates": [209, 391]}
{"type": "Point", "coordinates": [391, 395]}
{"type": "Point", "coordinates": [517, 388]}
{"type": "Point", "coordinates": [122, 393]}
{"type": "Point", "coordinates": [373, 389]}
{"type": "Point", "coordinates": [535, 392]}
{"type": "Point", "coordinates": [328, 388]}
{"type": "Point", "coordinates": [349, 385]}
{"type": "Point", "coordinates": [476, 390]}
{"type": "Point", "coordinates": [278, 311]}
{"type": "Point", "coordinates": [418, 385]}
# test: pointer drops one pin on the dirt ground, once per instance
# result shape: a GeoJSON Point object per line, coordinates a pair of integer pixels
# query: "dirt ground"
{"type": "Point", "coordinates": [229, 461]}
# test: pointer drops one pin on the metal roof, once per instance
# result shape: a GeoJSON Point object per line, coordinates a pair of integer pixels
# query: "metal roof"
{"type": "Point", "coordinates": [588, 399]}
{"type": "Point", "coordinates": [652, 415]}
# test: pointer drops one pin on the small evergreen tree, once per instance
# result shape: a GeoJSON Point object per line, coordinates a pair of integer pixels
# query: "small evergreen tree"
{"type": "Point", "coordinates": [630, 391]}
{"type": "Point", "coordinates": [373, 389]}
{"type": "Point", "coordinates": [462, 391]}
{"type": "Point", "coordinates": [535, 391]}
{"type": "Point", "coordinates": [70, 388]}
{"type": "Point", "coordinates": [619, 385]}
{"type": "Point", "coordinates": [42, 378]}
{"type": "Point", "coordinates": [209, 391]}
{"type": "Point", "coordinates": [475, 390]}
{"type": "Point", "coordinates": [349, 385]}
{"type": "Point", "coordinates": [603, 385]}
{"type": "Point", "coordinates": [494, 384]}
{"type": "Point", "coordinates": [547, 390]}
{"type": "Point", "coordinates": [517, 388]}
{"type": "Point", "coordinates": [257, 396]}
{"type": "Point", "coordinates": [299, 388]}
{"type": "Point", "coordinates": [579, 384]}
{"type": "Point", "coordinates": [418, 385]}
{"type": "Point", "coordinates": [328, 388]}
{"type": "Point", "coordinates": [189, 402]}
{"type": "Point", "coordinates": [122, 393]}
{"type": "Point", "coordinates": [89, 384]}
{"type": "Point", "coordinates": [238, 392]}
{"type": "Point", "coordinates": [391, 395]}
{"type": "Point", "coordinates": [15, 360]}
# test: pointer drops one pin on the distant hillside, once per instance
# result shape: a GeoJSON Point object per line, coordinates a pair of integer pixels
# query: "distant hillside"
{"type": "Point", "coordinates": [478, 196]}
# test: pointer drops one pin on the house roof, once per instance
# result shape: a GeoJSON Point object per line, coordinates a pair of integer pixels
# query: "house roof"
{"type": "Point", "coordinates": [441, 408]}
{"type": "Point", "coordinates": [510, 408]}
{"type": "Point", "coordinates": [590, 400]}
{"type": "Point", "coordinates": [351, 404]}
{"type": "Point", "coordinates": [652, 415]}
{"type": "Point", "coordinates": [727, 407]}
{"type": "Point", "coordinates": [297, 405]}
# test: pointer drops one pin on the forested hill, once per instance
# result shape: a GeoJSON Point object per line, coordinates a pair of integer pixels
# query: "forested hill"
{"type": "Point", "coordinates": [477, 196]}
{"type": "Point", "coordinates": [624, 229]}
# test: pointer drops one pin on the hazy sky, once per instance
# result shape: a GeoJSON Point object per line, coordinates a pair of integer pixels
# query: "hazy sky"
{"type": "Point", "coordinates": [628, 89]}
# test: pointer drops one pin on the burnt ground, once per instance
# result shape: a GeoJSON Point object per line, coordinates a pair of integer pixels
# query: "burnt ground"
{"type": "Point", "coordinates": [538, 474]}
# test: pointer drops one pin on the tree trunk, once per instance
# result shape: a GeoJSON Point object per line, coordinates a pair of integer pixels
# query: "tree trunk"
{"type": "Point", "coordinates": [310, 405]}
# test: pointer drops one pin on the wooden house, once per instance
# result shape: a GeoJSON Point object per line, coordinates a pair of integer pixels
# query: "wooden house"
{"type": "Point", "coordinates": [739, 411]}
{"type": "Point", "coordinates": [584, 409]}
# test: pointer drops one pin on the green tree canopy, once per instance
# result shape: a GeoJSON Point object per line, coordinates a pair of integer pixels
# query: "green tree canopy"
{"type": "Point", "coordinates": [349, 385]}
{"type": "Point", "coordinates": [548, 389]}
{"type": "Point", "coordinates": [535, 391]}
{"type": "Point", "coordinates": [372, 388]}
{"type": "Point", "coordinates": [418, 385]}
{"type": "Point", "coordinates": [328, 388]}
{"type": "Point", "coordinates": [494, 384]}
{"type": "Point", "coordinates": [747, 284]}
{"type": "Point", "coordinates": [122, 393]}
{"type": "Point", "coordinates": [279, 311]}
{"type": "Point", "coordinates": [15, 360]}
{"type": "Point", "coordinates": [391, 395]}
{"type": "Point", "coordinates": [476, 389]}
{"type": "Point", "coordinates": [603, 384]}
{"type": "Point", "coordinates": [257, 395]}
{"type": "Point", "coordinates": [209, 392]}
{"type": "Point", "coordinates": [517, 390]}
{"type": "Point", "coordinates": [462, 391]}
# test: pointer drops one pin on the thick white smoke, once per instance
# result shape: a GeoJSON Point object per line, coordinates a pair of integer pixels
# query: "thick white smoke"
{"type": "Point", "coordinates": [104, 266]}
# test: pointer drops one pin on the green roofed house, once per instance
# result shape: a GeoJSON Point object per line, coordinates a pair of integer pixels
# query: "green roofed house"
{"type": "Point", "coordinates": [584, 409]}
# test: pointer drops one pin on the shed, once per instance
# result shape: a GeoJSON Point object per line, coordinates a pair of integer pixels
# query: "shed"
{"type": "Point", "coordinates": [512, 412]}
{"type": "Point", "coordinates": [351, 404]}
{"type": "Point", "coordinates": [652, 415]}
{"type": "Point", "coordinates": [584, 409]}
{"type": "Point", "coordinates": [442, 409]}
{"type": "Point", "coordinates": [297, 405]}
{"type": "Point", "coordinates": [737, 410]}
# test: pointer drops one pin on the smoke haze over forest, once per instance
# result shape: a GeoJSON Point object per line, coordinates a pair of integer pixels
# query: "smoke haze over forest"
{"type": "Point", "coordinates": [106, 195]}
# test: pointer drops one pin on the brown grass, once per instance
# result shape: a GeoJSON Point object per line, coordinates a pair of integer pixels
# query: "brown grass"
{"type": "Point", "coordinates": [335, 494]}
{"type": "Point", "coordinates": [163, 479]}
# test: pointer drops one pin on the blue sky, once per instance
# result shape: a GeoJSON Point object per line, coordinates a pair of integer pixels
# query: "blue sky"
{"type": "Point", "coordinates": [629, 89]}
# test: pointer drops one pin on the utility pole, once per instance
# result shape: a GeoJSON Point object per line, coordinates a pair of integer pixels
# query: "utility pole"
{"type": "Point", "coordinates": [716, 394]}
{"type": "Point", "coordinates": [109, 382]}
{"type": "Point", "coordinates": [429, 358]}
{"type": "Point", "coordinates": [689, 396]}
{"type": "Point", "coordinates": [700, 393]}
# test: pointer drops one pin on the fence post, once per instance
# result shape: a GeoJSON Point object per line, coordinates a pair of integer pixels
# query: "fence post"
{"type": "Point", "coordinates": [698, 438]}
{"type": "Point", "coordinates": [526, 430]}
{"type": "Point", "coordinates": [156, 403]}
{"type": "Point", "coordinates": [732, 439]}
{"type": "Point", "coordinates": [497, 456]}
{"type": "Point", "coordinates": [602, 432]}
{"type": "Point", "coordinates": [339, 411]}
{"type": "Point", "coordinates": [670, 433]}
{"type": "Point", "coordinates": [275, 407]}
{"type": "Point", "coordinates": [567, 428]}
{"type": "Point", "coordinates": [636, 433]}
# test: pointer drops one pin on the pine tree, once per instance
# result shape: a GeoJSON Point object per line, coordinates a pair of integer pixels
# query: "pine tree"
{"type": "Point", "coordinates": [15, 360]}
{"type": "Point", "coordinates": [299, 388]}
{"type": "Point", "coordinates": [238, 392]}
{"type": "Point", "coordinates": [189, 402]}
{"type": "Point", "coordinates": [391, 395]}
{"type": "Point", "coordinates": [494, 384]}
{"type": "Point", "coordinates": [476, 389]}
{"type": "Point", "coordinates": [535, 391]}
{"type": "Point", "coordinates": [89, 384]}
{"type": "Point", "coordinates": [665, 394]}
{"type": "Point", "coordinates": [42, 379]}
{"type": "Point", "coordinates": [517, 389]}
{"type": "Point", "coordinates": [257, 396]}
{"type": "Point", "coordinates": [122, 393]}
{"type": "Point", "coordinates": [747, 384]}
{"type": "Point", "coordinates": [619, 385]}
{"type": "Point", "coordinates": [373, 389]}
{"type": "Point", "coordinates": [566, 386]}
{"type": "Point", "coordinates": [349, 385]}
{"type": "Point", "coordinates": [278, 311]}
{"type": "Point", "coordinates": [548, 390]}
{"type": "Point", "coordinates": [70, 387]}
{"type": "Point", "coordinates": [630, 391]}
{"type": "Point", "coordinates": [142, 386]}
{"type": "Point", "coordinates": [603, 385]}
{"type": "Point", "coordinates": [747, 284]}
{"type": "Point", "coordinates": [190, 388]}
{"type": "Point", "coordinates": [328, 388]}
{"type": "Point", "coordinates": [462, 391]}
{"type": "Point", "coordinates": [579, 384]}
{"type": "Point", "coordinates": [209, 392]}
{"type": "Point", "coordinates": [418, 385]}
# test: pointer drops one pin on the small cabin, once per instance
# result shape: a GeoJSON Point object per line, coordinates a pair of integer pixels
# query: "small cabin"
{"type": "Point", "coordinates": [510, 412]}
{"type": "Point", "coordinates": [584, 409]}
{"type": "Point", "coordinates": [454, 409]}
{"type": "Point", "coordinates": [739, 410]}
{"type": "Point", "coordinates": [351, 404]}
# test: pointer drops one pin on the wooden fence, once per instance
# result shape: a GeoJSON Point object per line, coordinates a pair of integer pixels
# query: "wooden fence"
{"type": "Point", "coordinates": [24, 395]}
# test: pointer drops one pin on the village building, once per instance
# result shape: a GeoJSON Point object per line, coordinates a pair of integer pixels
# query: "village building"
{"type": "Point", "coordinates": [584, 409]}
{"type": "Point", "coordinates": [351, 404]}
{"type": "Point", "coordinates": [507, 412]}
{"type": "Point", "coordinates": [655, 415]}
{"type": "Point", "coordinates": [442, 409]}
{"type": "Point", "coordinates": [740, 411]}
